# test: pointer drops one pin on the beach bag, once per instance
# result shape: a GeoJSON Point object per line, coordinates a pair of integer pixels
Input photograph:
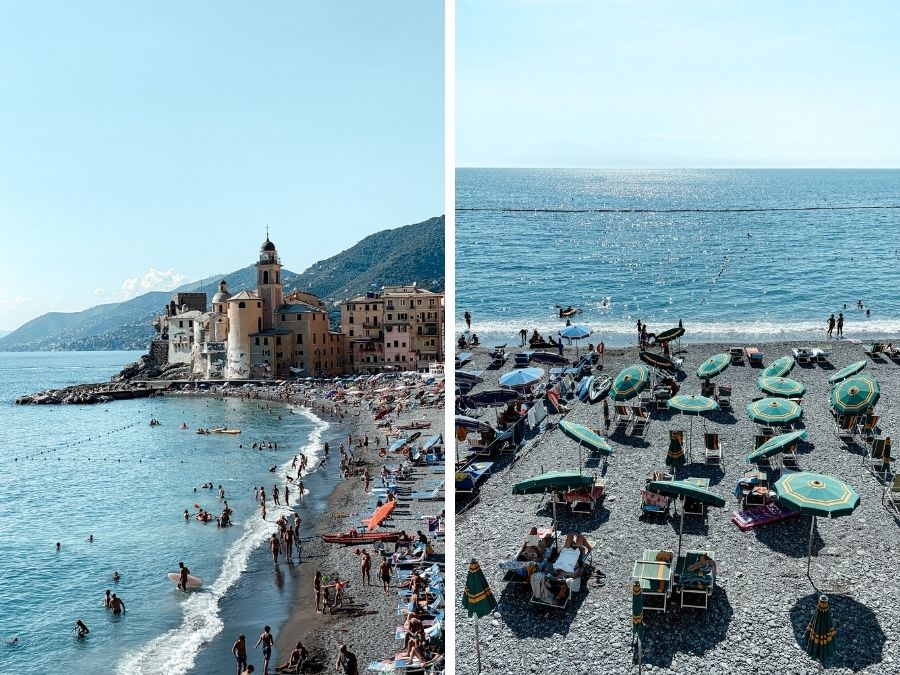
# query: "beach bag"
{"type": "Point", "coordinates": [574, 584]}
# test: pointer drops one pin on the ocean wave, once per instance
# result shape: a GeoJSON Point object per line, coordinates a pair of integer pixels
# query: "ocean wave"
{"type": "Point", "coordinates": [176, 650]}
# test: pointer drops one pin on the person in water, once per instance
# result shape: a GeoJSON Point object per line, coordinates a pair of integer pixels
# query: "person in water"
{"type": "Point", "coordinates": [183, 572]}
{"type": "Point", "coordinates": [80, 629]}
{"type": "Point", "coordinates": [266, 640]}
{"type": "Point", "coordinates": [239, 651]}
{"type": "Point", "coordinates": [116, 604]}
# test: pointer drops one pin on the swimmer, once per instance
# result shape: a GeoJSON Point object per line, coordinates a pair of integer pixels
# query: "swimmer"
{"type": "Point", "coordinates": [80, 629]}
{"type": "Point", "coordinates": [115, 576]}
{"type": "Point", "coordinates": [116, 605]}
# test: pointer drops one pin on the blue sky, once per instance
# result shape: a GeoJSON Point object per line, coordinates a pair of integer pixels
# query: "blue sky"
{"type": "Point", "coordinates": [146, 143]}
{"type": "Point", "coordinates": [677, 83]}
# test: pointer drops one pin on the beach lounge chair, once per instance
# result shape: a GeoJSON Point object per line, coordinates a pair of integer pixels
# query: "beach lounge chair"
{"type": "Point", "coordinates": [737, 356]}
{"type": "Point", "coordinates": [753, 489]}
{"type": "Point", "coordinates": [712, 453]}
{"type": "Point", "coordinates": [624, 417]}
{"type": "Point", "coordinates": [802, 355]}
{"type": "Point", "coordinates": [436, 493]}
{"type": "Point", "coordinates": [879, 457]}
{"type": "Point", "coordinates": [640, 419]}
{"type": "Point", "coordinates": [655, 504]}
{"type": "Point", "coordinates": [893, 494]}
{"type": "Point", "coordinates": [654, 573]}
{"type": "Point", "coordinates": [845, 426]}
{"type": "Point", "coordinates": [823, 353]}
{"type": "Point", "coordinates": [695, 586]}
{"type": "Point", "coordinates": [498, 357]}
{"type": "Point", "coordinates": [723, 396]}
{"type": "Point", "coordinates": [463, 358]}
{"type": "Point", "coordinates": [868, 427]}
{"type": "Point", "coordinates": [522, 359]}
{"type": "Point", "coordinates": [549, 592]}
{"type": "Point", "coordinates": [874, 351]}
{"type": "Point", "coordinates": [754, 356]}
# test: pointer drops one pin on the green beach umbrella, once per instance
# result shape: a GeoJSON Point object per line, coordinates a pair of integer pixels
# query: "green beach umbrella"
{"type": "Point", "coordinates": [847, 371]}
{"type": "Point", "coordinates": [779, 367]}
{"type": "Point", "coordinates": [774, 411]}
{"type": "Point", "coordinates": [775, 445]}
{"type": "Point", "coordinates": [585, 437]}
{"type": "Point", "coordinates": [680, 489]}
{"type": "Point", "coordinates": [552, 480]}
{"type": "Point", "coordinates": [780, 386]}
{"type": "Point", "coordinates": [637, 610]}
{"type": "Point", "coordinates": [714, 365]}
{"type": "Point", "coordinates": [820, 633]}
{"type": "Point", "coordinates": [692, 404]}
{"type": "Point", "coordinates": [630, 382]}
{"type": "Point", "coordinates": [815, 494]}
{"type": "Point", "coordinates": [675, 456]}
{"type": "Point", "coordinates": [855, 395]}
{"type": "Point", "coordinates": [478, 599]}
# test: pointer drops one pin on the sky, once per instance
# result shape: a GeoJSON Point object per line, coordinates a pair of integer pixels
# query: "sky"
{"type": "Point", "coordinates": [677, 83]}
{"type": "Point", "coordinates": [147, 144]}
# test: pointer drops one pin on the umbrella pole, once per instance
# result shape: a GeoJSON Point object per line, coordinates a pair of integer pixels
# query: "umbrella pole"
{"type": "Point", "coordinates": [812, 526]}
{"type": "Point", "coordinates": [680, 530]}
{"type": "Point", "coordinates": [477, 646]}
{"type": "Point", "coordinates": [691, 440]}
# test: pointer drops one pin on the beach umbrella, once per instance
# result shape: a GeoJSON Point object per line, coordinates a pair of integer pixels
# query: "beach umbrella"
{"type": "Point", "coordinates": [820, 633]}
{"type": "Point", "coordinates": [714, 365]}
{"type": "Point", "coordinates": [472, 424]}
{"type": "Point", "coordinates": [774, 411]}
{"type": "Point", "coordinates": [775, 445]}
{"type": "Point", "coordinates": [396, 445]}
{"type": "Point", "coordinates": [669, 334]}
{"type": "Point", "coordinates": [780, 386]}
{"type": "Point", "coordinates": [847, 371]}
{"type": "Point", "coordinates": [478, 599]}
{"type": "Point", "coordinates": [779, 367]}
{"type": "Point", "coordinates": [552, 480]}
{"type": "Point", "coordinates": [815, 495]}
{"type": "Point", "coordinates": [692, 405]}
{"type": "Point", "coordinates": [637, 620]}
{"type": "Point", "coordinates": [575, 332]}
{"type": "Point", "coordinates": [474, 376]}
{"type": "Point", "coordinates": [585, 437]}
{"type": "Point", "coordinates": [681, 489]}
{"type": "Point", "coordinates": [675, 456]}
{"type": "Point", "coordinates": [657, 360]}
{"type": "Point", "coordinates": [523, 377]}
{"type": "Point", "coordinates": [630, 382]}
{"type": "Point", "coordinates": [550, 357]}
{"type": "Point", "coordinates": [492, 397]}
{"type": "Point", "coordinates": [855, 394]}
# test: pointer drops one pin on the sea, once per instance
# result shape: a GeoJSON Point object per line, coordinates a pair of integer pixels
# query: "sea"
{"type": "Point", "coordinates": [736, 255]}
{"type": "Point", "coordinates": [72, 471]}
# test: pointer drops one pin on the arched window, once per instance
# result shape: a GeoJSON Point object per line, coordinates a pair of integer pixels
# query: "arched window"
{"type": "Point", "coordinates": [241, 305]}
{"type": "Point", "coordinates": [266, 277]}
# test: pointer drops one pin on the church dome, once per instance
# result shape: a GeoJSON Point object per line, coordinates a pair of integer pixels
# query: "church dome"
{"type": "Point", "coordinates": [223, 295]}
{"type": "Point", "coordinates": [267, 245]}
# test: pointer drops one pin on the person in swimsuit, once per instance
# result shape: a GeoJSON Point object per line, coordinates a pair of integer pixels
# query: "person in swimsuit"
{"type": "Point", "coordinates": [296, 663]}
{"type": "Point", "coordinates": [276, 548]}
{"type": "Point", "coordinates": [239, 650]}
{"type": "Point", "coordinates": [317, 586]}
{"type": "Point", "coordinates": [183, 577]}
{"type": "Point", "coordinates": [365, 567]}
{"type": "Point", "coordinates": [80, 629]}
{"type": "Point", "coordinates": [107, 599]}
{"type": "Point", "coordinates": [346, 661]}
{"type": "Point", "coordinates": [267, 641]}
{"type": "Point", "coordinates": [384, 573]}
{"type": "Point", "coordinates": [116, 604]}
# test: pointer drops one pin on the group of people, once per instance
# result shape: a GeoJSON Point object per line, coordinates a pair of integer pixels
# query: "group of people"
{"type": "Point", "coordinates": [836, 323]}
{"type": "Point", "coordinates": [474, 341]}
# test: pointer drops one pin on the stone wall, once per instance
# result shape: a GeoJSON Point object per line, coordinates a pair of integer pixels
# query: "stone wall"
{"type": "Point", "coordinates": [159, 352]}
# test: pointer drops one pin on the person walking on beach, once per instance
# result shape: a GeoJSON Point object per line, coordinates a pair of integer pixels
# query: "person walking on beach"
{"type": "Point", "coordinates": [275, 494]}
{"type": "Point", "coordinates": [367, 479]}
{"type": "Point", "coordinates": [831, 323]}
{"type": "Point", "coordinates": [346, 661]}
{"type": "Point", "coordinates": [317, 587]}
{"type": "Point", "coordinates": [239, 650]}
{"type": "Point", "coordinates": [287, 496]}
{"type": "Point", "coordinates": [275, 546]}
{"type": "Point", "coordinates": [468, 318]}
{"type": "Point", "coordinates": [523, 337]}
{"type": "Point", "coordinates": [365, 567]}
{"type": "Point", "coordinates": [288, 537]}
{"type": "Point", "coordinates": [267, 641]}
{"type": "Point", "coordinates": [384, 573]}
{"type": "Point", "coordinates": [262, 510]}
{"type": "Point", "coordinates": [840, 325]}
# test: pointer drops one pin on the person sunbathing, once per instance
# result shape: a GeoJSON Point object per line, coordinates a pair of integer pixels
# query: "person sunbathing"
{"type": "Point", "coordinates": [704, 565]}
{"type": "Point", "coordinates": [535, 545]}
{"type": "Point", "coordinates": [578, 541]}
{"type": "Point", "coordinates": [296, 662]}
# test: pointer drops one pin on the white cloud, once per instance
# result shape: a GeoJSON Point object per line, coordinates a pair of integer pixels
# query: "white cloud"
{"type": "Point", "coordinates": [22, 300]}
{"type": "Point", "coordinates": [151, 280]}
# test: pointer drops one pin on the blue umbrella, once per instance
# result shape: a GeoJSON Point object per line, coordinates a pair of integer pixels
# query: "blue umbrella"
{"type": "Point", "coordinates": [521, 378]}
{"type": "Point", "coordinates": [576, 332]}
{"type": "Point", "coordinates": [396, 445]}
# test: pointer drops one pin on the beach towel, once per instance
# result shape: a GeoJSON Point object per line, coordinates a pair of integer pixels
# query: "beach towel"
{"type": "Point", "coordinates": [761, 515]}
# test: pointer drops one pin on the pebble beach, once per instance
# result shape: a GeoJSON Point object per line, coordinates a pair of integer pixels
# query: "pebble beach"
{"type": "Point", "coordinates": [763, 599]}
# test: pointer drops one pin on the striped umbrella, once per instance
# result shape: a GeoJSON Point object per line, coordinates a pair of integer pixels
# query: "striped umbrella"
{"type": "Point", "coordinates": [681, 489]}
{"type": "Point", "coordinates": [775, 445]}
{"type": "Point", "coordinates": [815, 494]}
{"type": "Point", "coordinates": [552, 480]}
{"type": "Point", "coordinates": [630, 382]}
{"type": "Point", "coordinates": [585, 437]}
{"type": "Point", "coordinates": [780, 386]}
{"type": "Point", "coordinates": [779, 367]}
{"type": "Point", "coordinates": [774, 411]}
{"type": "Point", "coordinates": [675, 456]}
{"type": "Point", "coordinates": [847, 371]}
{"type": "Point", "coordinates": [478, 599]}
{"type": "Point", "coordinates": [657, 360]}
{"type": "Point", "coordinates": [820, 634]}
{"type": "Point", "coordinates": [855, 395]}
{"type": "Point", "coordinates": [714, 365]}
{"type": "Point", "coordinates": [692, 405]}
{"type": "Point", "coordinates": [637, 610]}
{"type": "Point", "coordinates": [669, 334]}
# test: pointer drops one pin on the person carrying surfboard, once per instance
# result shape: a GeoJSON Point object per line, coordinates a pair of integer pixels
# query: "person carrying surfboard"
{"type": "Point", "coordinates": [182, 577]}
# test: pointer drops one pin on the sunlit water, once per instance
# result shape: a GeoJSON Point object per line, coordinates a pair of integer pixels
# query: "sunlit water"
{"type": "Point", "coordinates": [763, 255]}
{"type": "Point", "coordinates": [71, 471]}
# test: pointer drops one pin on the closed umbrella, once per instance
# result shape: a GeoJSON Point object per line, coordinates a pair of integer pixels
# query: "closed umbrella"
{"type": "Point", "coordinates": [714, 365]}
{"type": "Point", "coordinates": [780, 386]}
{"type": "Point", "coordinates": [775, 445]}
{"type": "Point", "coordinates": [820, 634]}
{"type": "Point", "coordinates": [523, 377]}
{"type": "Point", "coordinates": [855, 395]}
{"type": "Point", "coordinates": [585, 437]}
{"type": "Point", "coordinates": [637, 620]}
{"type": "Point", "coordinates": [847, 371]}
{"type": "Point", "coordinates": [779, 367]}
{"type": "Point", "coordinates": [693, 405]}
{"type": "Point", "coordinates": [774, 411]}
{"type": "Point", "coordinates": [657, 360]}
{"type": "Point", "coordinates": [478, 599]}
{"type": "Point", "coordinates": [472, 424]}
{"type": "Point", "coordinates": [630, 382]}
{"type": "Point", "coordinates": [680, 489]}
{"type": "Point", "coordinates": [815, 495]}
{"type": "Point", "coordinates": [675, 455]}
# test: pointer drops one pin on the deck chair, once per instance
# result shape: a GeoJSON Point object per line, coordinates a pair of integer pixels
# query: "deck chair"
{"type": "Point", "coordinates": [640, 419]}
{"type": "Point", "coordinates": [522, 359]}
{"type": "Point", "coordinates": [874, 351]}
{"type": "Point", "coordinates": [737, 356]}
{"type": "Point", "coordinates": [893, 494]}
{"type": "Point", "coordinates": [759, 439]}
{"type": "Point", "coordinates": [712, 453]}
{"type": "Point", "coordinates": [879, 457]}
{"type": "Point", "coordinates": [824, 353]}
{"type": "Point", "coordinates": [624, 417]}
{"type": "Point", "coordinates": [754, 356]}
{"type": "Point", "coordinates": [868, 427]}
{"type": "Point", "coordinates": [723, 396]}
{"type": "Point", "coordinates": [655, 504]}
{"type": "Point", "coordinates": [845, 426]}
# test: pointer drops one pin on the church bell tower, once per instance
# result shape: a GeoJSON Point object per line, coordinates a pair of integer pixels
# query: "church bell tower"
{"type": "Point", "coordinates": [268, 281]}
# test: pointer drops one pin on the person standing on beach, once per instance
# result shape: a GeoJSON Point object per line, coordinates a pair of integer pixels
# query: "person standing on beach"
{"type": "Point", "coordinates": [346, 661]}
{"type": "Point", "coordinates": [384, 573]}
{"type": "Point", "coordinates": [239, 650]}
{"type": "Point", "coordinates": [367, 479]}
{"type": "Point", "coordinates": [267, 641]}
{"type": "Point", "coordinates": [275, 494]}
{"type": "Point", "coordinates": [288, 537]}
{"type": "Point", "coordinates": [840, 325]}
{"type": "Point", "coordinates": [523, 337]}
{"type": "Point", "coordinates": [275, 546]}
{"type": "Point", "coordinates": [287, 496]}
{"type": "Point", "coordinates": [317, 587]}
{"type": "Point", "coordinates": [365, 567]}
{"type": "Point", "coordinates": [183, 572]}
{"type": "Point", "coordinates": [831, 323]}
{"type": "Point", "coordinates": [640, 332]}
{"type": "Point", "coordinates": [468, 318]}
{"type": "Point", "coordinates": [262, 510]}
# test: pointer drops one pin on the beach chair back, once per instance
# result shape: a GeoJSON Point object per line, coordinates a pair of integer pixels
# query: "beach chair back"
{"type": "Point", "coordinates": [676, 436]}
{"type": "Point", "coordinates": [871, 422]}
{"type": "Point", "coordinates": [712, 441]}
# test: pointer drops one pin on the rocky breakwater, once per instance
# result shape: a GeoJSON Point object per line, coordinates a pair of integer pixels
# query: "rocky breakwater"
{"type": "Point", "coordinates": [87, 393]}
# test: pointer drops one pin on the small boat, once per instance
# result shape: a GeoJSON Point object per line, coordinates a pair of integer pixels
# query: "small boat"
{"type": "Point", "coordinates": [224, 431]}
{"type": "Point", "coordinates": [584, 387]}
{"type": "Point", "coordinates": [358, 538]}
{"type": "Point", "coordinates": [492, 397]}
{"type": "Point", "coordinates": [599, 389]}
{"type": "Point", "coordinates": [567, 312]}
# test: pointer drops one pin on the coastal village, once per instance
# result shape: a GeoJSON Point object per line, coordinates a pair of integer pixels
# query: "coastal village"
{"type": "Point", "coordinates": [264, 333]}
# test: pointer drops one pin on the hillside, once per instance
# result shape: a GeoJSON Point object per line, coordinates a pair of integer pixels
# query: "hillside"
{"type": "Point", "coordinates": [413, 253]}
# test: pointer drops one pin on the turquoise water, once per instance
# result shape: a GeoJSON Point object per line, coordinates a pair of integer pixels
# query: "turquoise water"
{"type": "Point", "coordinates": [72, 471]}
{"type": "Point", "coordinates": [735, 254]}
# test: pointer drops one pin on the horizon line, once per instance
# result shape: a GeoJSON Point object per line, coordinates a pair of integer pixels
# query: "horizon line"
{"type": "Point", "coordinates": [690, 168]}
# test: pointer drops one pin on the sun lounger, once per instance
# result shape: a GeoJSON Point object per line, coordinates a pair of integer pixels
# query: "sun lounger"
{"type": "Point", "coordinates": [463, 358]}
{"type": "Point", "coordinates": [893, 494]}
{"type": "Point", "coordinates": [640, 419]}
{"type": "Point", "coordinates": [754, 356]}
{"type": "Point", "coordinates": [723, 396]}
{"type": "Point", "coordinates": [879, 456]}
{"type": "Point", "coordinates": [692, 507]}
{"type": "Point", "coordinates": [802, 355]}
{"type": "Point", "coordinates": [522, 359]}
{"type": "Point", "coordinates": [694, 586]}
{"type": "Point", "coordinates": [712, 453]}
{"type": "Point", "coordinates": [654, 572]}
{"type": "Point", "coordinates": [655, 504]}
{"type": "Point", "coordinates": [760, 516]}
{"type": "Point", "coordinates": [874, 351]}
{"type": "Point", "coordinates": [549, 591]}
{"type": "Point", "coordinates": [498, 358]}
{"type": "Point", "coordinates": [737, 356]}
{"type": "Point", "coordinates": [434, 494]}
{"type": "Point", "coordinates": [624, 416]}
